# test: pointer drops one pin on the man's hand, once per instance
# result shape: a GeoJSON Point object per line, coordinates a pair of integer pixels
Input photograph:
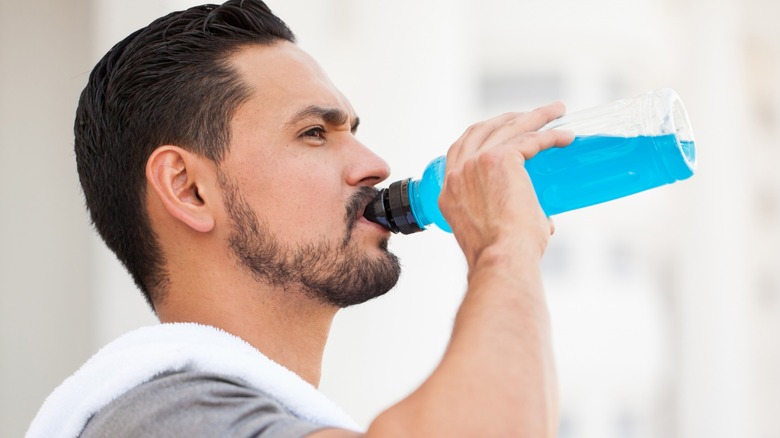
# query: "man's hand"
{"type": "Point", "coordinates": [487, 196]}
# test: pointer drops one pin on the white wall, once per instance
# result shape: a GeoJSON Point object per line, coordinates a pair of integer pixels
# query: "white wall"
{"type": "Point", "coordinates": [44, 296]}
{"type": "Point", "coordinates": [665, 305]}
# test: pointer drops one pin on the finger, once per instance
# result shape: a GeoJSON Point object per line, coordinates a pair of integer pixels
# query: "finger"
{"type": "Point", "coordinates": [499, 129]}
{"type": "Point", "coordinates": [531, 143]}
{"type": "Point", "coordinates": [475, 136]}
{"type": "Point", "coordinates": [527, 122]}
{"type": "Point", "coordinates": [546, 114]}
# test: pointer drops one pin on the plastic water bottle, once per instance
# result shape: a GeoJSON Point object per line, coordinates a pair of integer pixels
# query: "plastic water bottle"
{"type": "Point", "coordinates": [619, 149]}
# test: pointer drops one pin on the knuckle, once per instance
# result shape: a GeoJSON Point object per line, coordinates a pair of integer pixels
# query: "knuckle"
{"type": "Point", "coordinates": [512, 114]}
{"type": "Point", "coordinates": [513, 118]}
{"type": "Point", "coordinates": [533, 136]}
{"type": "Point", "coordinates": [490, 157]}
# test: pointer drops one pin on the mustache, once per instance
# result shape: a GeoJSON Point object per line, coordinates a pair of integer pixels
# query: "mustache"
{"type": "Point", "coordinates": [356, 206]}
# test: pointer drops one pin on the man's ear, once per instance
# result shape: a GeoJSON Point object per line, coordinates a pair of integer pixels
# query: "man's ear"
{"type": "Point", "coordinates": [180, 180]}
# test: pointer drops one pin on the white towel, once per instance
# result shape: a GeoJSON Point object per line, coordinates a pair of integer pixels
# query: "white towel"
{"type": "Point", "coordinates": [143, 354]}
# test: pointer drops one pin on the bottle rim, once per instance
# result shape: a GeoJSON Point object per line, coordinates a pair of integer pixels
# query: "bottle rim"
{"type": "Point", "coordinates": [683, 132]}
{"type": "Point", "coordinates": [674, 120]}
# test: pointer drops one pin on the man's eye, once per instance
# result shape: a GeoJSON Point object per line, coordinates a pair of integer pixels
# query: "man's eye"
{"type": "Point", "coordinates": [316, 132]}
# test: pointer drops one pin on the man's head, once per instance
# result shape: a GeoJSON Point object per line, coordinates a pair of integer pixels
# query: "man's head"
{"type": "Point", "coordinates": [221, 85]}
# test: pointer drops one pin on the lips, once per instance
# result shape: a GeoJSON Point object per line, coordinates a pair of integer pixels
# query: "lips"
{"type": "Point", "coordinates": [357, 204]}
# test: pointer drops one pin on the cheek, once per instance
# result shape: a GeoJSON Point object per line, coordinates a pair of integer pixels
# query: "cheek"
{"type": "Point", "coordinates": [300, 197]}
{"type": "Point", "coordinates": [317, 194]}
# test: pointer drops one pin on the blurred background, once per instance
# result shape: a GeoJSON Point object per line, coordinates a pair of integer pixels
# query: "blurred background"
{"type": "Point", "coordinates": [665, 305]}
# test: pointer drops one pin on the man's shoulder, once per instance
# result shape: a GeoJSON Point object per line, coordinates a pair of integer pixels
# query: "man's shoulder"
{"type": "Point", "coordinates": [193, 403]}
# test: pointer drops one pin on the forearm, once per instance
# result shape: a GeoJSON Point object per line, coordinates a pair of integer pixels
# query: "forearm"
{"type": "Point", "coordinates": [503, 330]}
{"type": "Point", "coordinates": [497, 376]}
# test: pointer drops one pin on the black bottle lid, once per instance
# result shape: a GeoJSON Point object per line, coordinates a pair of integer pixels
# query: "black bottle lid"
{"type": "Point", "coordinates": [391, 209]}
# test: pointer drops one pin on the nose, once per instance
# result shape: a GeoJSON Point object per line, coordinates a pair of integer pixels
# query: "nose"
{"type": "Point", "coordinates": [367, 167]}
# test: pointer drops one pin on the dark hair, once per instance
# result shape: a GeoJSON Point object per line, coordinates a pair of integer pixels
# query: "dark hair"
{"type": "Point", "coordinates": [168, 83]}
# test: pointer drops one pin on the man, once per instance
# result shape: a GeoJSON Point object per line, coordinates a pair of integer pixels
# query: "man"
{"type": "Point", "coordinates": [221, 166]}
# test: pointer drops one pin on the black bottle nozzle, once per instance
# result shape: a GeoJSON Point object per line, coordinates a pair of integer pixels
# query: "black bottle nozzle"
{"type": "Point", "coordinates": [391, 209]}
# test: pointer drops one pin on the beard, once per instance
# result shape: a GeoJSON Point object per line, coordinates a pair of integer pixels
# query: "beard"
{"type": "Point", "coordinates": [337, 273]}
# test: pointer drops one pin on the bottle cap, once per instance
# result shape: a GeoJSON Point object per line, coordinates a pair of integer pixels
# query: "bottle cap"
{"type": "Point", "coordinates": [391, 209]}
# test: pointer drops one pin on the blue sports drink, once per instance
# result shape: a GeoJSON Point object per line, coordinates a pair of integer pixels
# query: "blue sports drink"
{"type": "Point", "coordinates": [619, 149]}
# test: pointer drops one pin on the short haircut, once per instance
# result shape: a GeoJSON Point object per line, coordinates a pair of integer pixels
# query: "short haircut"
{"type": "Point", "coordinates": [170, 82]}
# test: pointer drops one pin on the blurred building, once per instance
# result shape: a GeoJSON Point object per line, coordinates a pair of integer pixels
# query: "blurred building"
{"type": "Point", "coordinates": [665, 305]}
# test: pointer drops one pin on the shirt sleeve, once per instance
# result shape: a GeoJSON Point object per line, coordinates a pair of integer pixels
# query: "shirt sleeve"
{"type": "Point", "coordinates": [195, 404]}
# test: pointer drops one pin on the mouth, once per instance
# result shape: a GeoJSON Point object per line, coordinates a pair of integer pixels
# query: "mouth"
{"type": "Point", "coordinates": [356, 207]}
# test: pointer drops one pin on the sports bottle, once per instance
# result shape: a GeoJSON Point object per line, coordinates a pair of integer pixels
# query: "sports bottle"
{"type": "Point", "coordinates": [619, 149]}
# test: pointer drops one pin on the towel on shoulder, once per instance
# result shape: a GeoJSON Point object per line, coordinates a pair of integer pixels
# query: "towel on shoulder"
{"type": "Point", "coordinates": [141, 355]}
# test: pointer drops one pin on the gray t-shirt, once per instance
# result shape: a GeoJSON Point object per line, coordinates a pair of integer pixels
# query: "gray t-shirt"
{"type": "Point", "coordinates": [195, 404]}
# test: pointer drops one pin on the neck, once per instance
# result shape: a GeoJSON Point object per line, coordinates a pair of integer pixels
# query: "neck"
{"type": "Point", "coordinates": [287, 326]}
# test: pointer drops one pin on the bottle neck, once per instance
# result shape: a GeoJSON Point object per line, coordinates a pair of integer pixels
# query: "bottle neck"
{"type": "Point", "coordinates": [409, 206]}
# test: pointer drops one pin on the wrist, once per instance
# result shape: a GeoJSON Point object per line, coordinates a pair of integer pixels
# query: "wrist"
{"type": "Point", "coordinates": [508, 254]}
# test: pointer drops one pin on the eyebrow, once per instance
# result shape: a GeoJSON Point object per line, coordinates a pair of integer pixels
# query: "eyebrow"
{"type": "Point", "coordinates": [331, 116]}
